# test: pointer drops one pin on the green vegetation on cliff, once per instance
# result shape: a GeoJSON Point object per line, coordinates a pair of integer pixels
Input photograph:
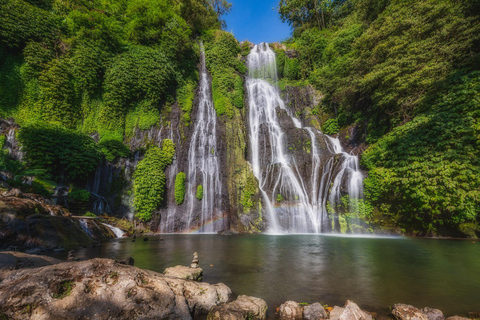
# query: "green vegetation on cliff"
{"type": "Point", "coordinates": [149, 179]}
{"type": "Point", "coordinates": [59, 151]}
{"type": "Point", "coordinates": [180, 182]}
{"type": "Point", "coordinates": [199, 194]}
{"type": "Point", "coordinates": [100, 66]}
{"type": "Point", "coordinates": [149, 183]}
{"type": "Point", "coordinates": [222, 53]}
{"type": "Point", "coordinates": [72, 70]}
{"type": "Point", "coordinates": [406, 73]}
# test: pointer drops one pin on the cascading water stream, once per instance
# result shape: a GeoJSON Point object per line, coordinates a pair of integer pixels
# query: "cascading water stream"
{"type": "Point", "coordinates": [204, 162]}
{"type": "Point", "coordinates": [295, 204]}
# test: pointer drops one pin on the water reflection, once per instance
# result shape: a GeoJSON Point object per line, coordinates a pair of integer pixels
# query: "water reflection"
{"type": "Point", "coordinates": [374, 272]}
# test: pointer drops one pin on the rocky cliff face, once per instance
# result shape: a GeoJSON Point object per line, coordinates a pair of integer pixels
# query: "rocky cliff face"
{"type": "Point", "coordinates": [27, 222]}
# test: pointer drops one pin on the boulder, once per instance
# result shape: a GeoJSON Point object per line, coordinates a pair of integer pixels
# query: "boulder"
{"type": "Point", "coordinates": [183, 272]}
{"type": "Point", "coordinates": [457, 318]}
{"type": "Point", "coordinates": [290, 310]}
{"type": "Point", "coordinates": [13, 193]}
{"type": "Point", "coordinates": [10, 260]}
{"type": "Point", "coordinates": [351, 311]}
{"type": "Point", "coordinates": [408, 312]}
{"type": "Point", "coordinates": [27, 224]}
{"type": "Point", "coordinates": [103, 289]}
{"type": "Point", "coordinates": [314, 311]}
{"type": "Point", "coordinates": [433, 314]}
{"type": "Point", "coordinates": [243, 308]}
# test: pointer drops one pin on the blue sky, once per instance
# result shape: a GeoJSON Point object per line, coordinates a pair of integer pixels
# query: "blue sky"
{"type": "Point", "coordinates": [256, 21]}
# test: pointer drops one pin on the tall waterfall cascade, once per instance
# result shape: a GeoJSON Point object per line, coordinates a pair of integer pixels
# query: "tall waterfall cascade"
{"type": "Point", "coordinates": [296, 193]}
{"type": "Point", "coordinates": [204, 163]}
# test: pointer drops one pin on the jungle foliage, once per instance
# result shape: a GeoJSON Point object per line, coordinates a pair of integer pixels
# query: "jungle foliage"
{"type": "Point", "coordinates": [74, 69]}
{"type": "Point", "coordinates": [222, 53]}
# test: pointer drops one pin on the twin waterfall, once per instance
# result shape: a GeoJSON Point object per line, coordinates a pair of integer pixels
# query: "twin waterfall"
{"type": "Point", "coordinates": [295, 195]}
{"type": "Point", "coordinates": [204, 162]}
{"type": "Point", "coordinates": [301, 171]}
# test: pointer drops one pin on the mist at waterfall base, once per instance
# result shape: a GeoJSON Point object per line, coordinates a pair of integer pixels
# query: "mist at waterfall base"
{"type": "Point", "coordinates": [373, 272]}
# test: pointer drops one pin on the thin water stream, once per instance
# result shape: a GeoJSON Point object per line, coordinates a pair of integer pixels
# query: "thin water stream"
{"type": "Point", "coordinates": [374, 272]}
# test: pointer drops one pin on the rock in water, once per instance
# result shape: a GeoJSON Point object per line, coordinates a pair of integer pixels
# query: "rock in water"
{"type": "Point", "coordinates": [101, 289]}
{"type": "Point", "coordinates": [290, 310]}
{"type": "Point", "coordinates": [183, 272]}
{"type": "Point", "coordinates": [351, 311]}
{"type": "Point", "coordinates": [130, 261]}
{"type": "Point", "coordinates": [433, 314]}
{"type": "Point", "coordinates": [407, 312]}
{"type": "Point", "coordinates": [243, 308]}
{"type": "Point", "coordinates": [315, 311]}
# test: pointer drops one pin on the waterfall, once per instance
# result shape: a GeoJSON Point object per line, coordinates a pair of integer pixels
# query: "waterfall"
{"type": "Point", "coordinates": [167, 226]}
{"type": "Point", "coordinates": [204, 162]}
{"type": "Point", "coordinates": [296, 201]}
{"type": "Point", "coordinates": [117, 231]}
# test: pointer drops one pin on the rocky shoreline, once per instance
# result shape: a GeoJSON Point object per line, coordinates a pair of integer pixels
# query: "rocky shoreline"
{"type": "Point", "coordinates": [40, 287]}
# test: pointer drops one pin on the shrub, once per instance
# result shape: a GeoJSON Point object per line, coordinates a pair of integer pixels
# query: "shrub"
{"type": "Point", "coordinates": [59, 151]}
{"type": "Point", "coordinates": [168, 151]}
{"type": "Point", "coordinates": [199, 194]}
{"type": "Point", "coordinates": [180, 187]}
{"type": "Point", "coordinates": [149, 183]}
{"type": "Point", "coordinates": [113, 149]}
{"type": "Point", "coordinates": [90, 214]}
{"type": "Point", "coordinates": [78, 195]}
{"type": "Point", "coordinates": [331, 127]}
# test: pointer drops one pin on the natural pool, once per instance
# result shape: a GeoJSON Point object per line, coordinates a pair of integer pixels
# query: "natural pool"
{"type": "Point", "coordinates": [373, 272]}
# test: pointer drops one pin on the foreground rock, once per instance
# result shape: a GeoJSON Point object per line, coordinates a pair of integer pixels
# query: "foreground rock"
{"type": "Point", "coordinates": [290, 310]}
{"type": "Point", "coordinates": [314, 311]}
{"type": "Point", "coordinates": [243, 308]}
{"type": "Point", "coordinates": [104, 289]}
{"type": "Point", "coordinates": [10, 261]}
{"type": "Point", "coordinates": [183, 272]}
{"type": "Point", "coordinates": [408, 312]}
{"type": "Point", "coordinates": [351, 311]}
{"type": "Point", "coordinates": [28, 223]}
{"type": "Point", "coordinates": [433, 314]}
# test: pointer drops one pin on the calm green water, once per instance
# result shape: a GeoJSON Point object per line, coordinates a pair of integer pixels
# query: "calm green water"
{"type": "Point", "coordinates": [373, 272]}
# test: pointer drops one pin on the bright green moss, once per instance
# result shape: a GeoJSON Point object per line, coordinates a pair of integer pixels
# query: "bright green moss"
{"type": "Point", "coordinates": [149, 183]}
{"type": "Point", "coordinates": [199, 194]}
{"type": "Point", "coordinates": [180, 182]}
